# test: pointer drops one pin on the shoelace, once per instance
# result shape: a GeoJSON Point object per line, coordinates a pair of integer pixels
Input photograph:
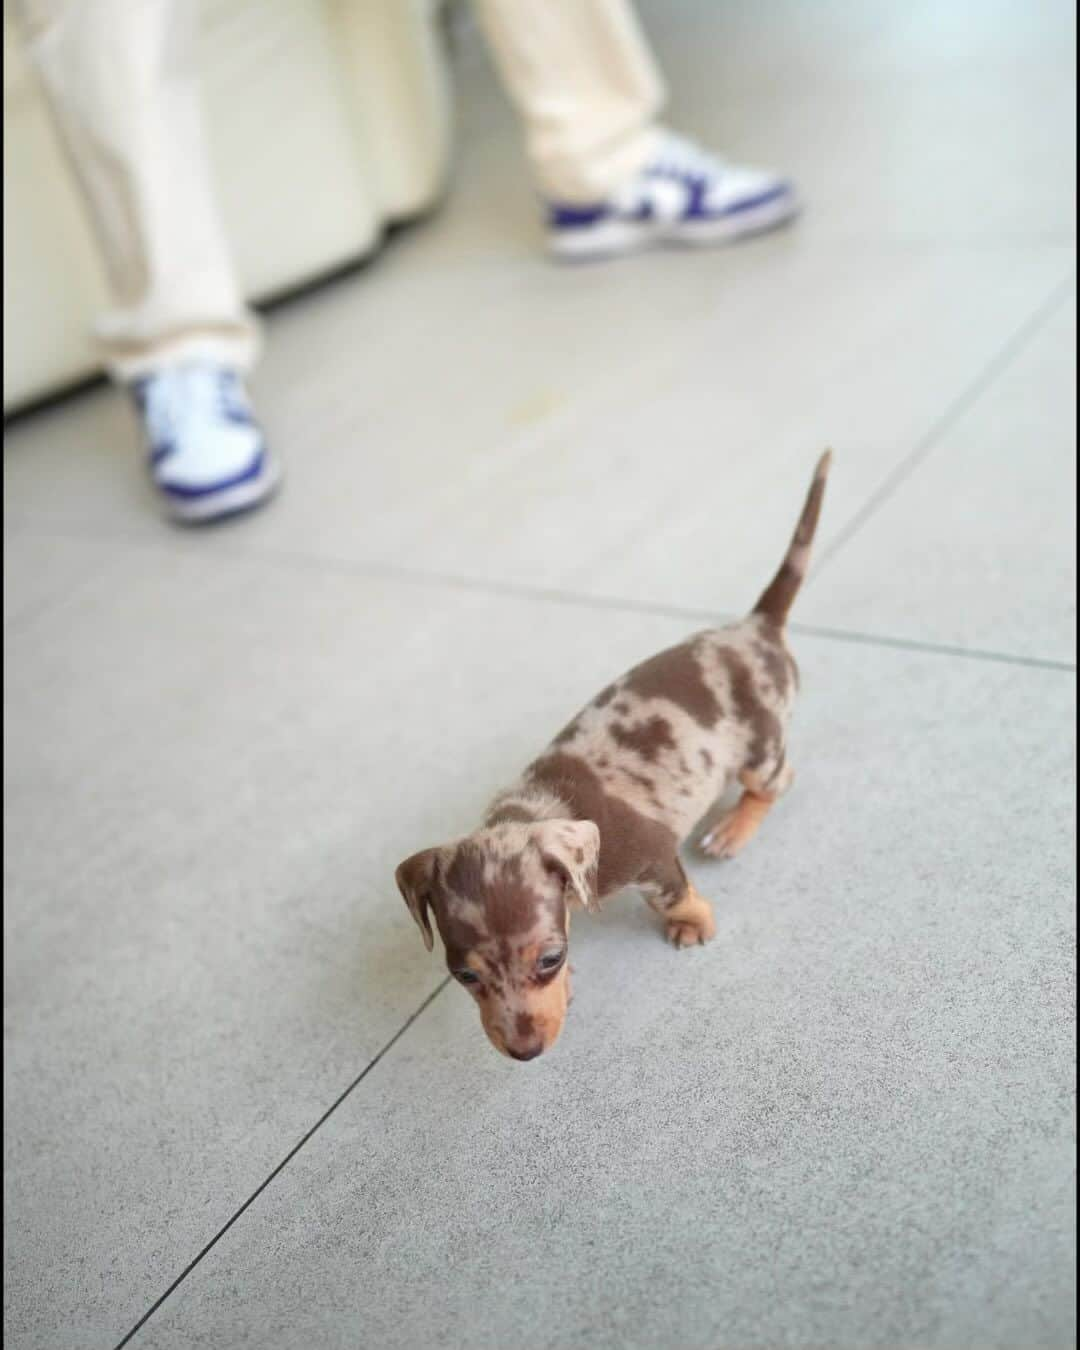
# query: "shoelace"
{"type": "Point", "coordinates": [185, 396]}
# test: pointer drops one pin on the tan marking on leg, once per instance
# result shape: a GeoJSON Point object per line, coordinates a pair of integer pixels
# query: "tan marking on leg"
{"type": "Point", "coordinates": [690, 920]}
{"type": "Point", "coordinates": [733, 831]}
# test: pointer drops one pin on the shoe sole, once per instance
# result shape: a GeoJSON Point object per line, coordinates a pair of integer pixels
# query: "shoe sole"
{"type": "Point", "coordinates": [613, 238]}
{"type": "Point", "coordinates": [231, 501]}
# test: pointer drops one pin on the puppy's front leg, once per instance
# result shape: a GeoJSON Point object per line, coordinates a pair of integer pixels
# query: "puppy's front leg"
{"type": "Point", "coordinates": [687, 916]}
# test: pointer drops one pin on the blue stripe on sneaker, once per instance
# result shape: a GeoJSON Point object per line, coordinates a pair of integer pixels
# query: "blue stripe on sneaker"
{"type": "Point", "coordinates": [239, 416]}
{"type": "Point", "coordinates": [574, 217]}
{"type": "Point", "coordinates": [254, 470]}
{"type": "Point", "coordinates": [762, 199]}
{"type": "Point", "coordinates": [695, 208]}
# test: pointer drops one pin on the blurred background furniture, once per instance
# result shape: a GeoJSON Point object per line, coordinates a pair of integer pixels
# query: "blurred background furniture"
{"type": "Point", "coordinates": [328, 120]}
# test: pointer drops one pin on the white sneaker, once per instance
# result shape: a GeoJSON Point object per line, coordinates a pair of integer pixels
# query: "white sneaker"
{"type": "Point", "coordinates": [683, 196]}
{"type": "Point", "coordinates": [208, 458]}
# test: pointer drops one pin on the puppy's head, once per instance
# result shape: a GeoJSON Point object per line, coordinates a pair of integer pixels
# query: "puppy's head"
{"type": "Point", "coordinates": [501, 900]}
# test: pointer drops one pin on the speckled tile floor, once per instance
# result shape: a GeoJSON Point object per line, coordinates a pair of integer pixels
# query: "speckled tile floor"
{"type": "Point", "coordinates": [241, 1106]}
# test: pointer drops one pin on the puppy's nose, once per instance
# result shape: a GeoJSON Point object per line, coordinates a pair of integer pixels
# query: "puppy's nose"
{"type": "Point", "coordinates": [531, 1053]}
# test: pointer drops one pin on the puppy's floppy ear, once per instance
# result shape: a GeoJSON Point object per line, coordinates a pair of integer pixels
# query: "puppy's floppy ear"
{"type": "Point", "coordinates": [572, 848]}
{"type": "Point", "coordinates": [416, 882]}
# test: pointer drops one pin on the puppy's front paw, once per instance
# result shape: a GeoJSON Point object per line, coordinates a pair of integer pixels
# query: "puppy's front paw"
{"type": "Point", "coordinates": [690, 923]}
{"type": "Point", "coordinates": [682, 934]}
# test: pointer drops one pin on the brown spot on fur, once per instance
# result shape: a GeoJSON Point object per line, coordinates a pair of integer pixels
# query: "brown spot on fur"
{"type": "Point", "coordinates": [777, 666]}
{"type": "Point", "coordinates": [677, 675]}
{"type": "Point", "coordinates": [545, 1011]}
{"type": "Point", "coordinates": [507, 815]}
{"type": "Point", "coordinates": [646, 739]}
{"type": "Point", "coordinates": [706, 759]}
{"type": "Point", "coordinates": [510, 904]}
{"type": "Point", "coordinates": [780, 593]}
{"type": "Point", "coordinates": [568, 733]}
{"type": "Point", "coordinates": [622, 708]}
{"type": "Point", "coordinates": [766, 736]}
{"type": "Point", "coordinates": [633, 847]}
{"type": "Point", "coordinates": [465, 875]}
{"type": "Point", "coordinates": [459, 936]}
{"type": "Point", "coordinates": [604, 696]}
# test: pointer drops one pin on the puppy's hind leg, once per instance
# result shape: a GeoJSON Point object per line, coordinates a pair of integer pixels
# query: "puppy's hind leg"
{"type": "Point", "coordinates": [734, 830]}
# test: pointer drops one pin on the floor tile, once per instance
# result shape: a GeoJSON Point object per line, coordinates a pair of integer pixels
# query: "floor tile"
{"type": "Point", "coordinates": [978, 546]}
{"type": "Point", "coordinates": [662, 469]}
{"type": "Point", "coordinates": [848, 1122]}
{"type": "Point", "coordinates": [501, 414]}
{"type": "Point", "coordinates": [927, 121]}
{"type": "Point", "coordinates": [77, 464]}
{"type": "Point", "coordinates": [211, 769]}
{"type": "Point", "coordinates": [41, 570]}
{"type": "Point", "coordinates": [686, 494]}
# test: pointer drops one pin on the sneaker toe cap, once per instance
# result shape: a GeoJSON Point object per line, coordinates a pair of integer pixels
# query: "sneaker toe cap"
{"type": "Point", "coordinates": [231, 453]}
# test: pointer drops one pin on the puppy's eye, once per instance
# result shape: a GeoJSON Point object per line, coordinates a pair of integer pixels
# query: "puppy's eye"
{"type": "Point", "coordinates": [467, 976]}
{"type": "Point", "coordinates": [550, 962]}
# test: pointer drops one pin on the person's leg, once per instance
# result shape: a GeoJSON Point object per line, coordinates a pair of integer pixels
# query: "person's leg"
{"type": "Point", "coordinates": [583, 79]}
{"type": "Point", "coordinates": [122, 83]}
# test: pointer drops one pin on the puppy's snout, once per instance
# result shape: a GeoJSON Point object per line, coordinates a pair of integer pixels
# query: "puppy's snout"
{"type": "Point", "coordinates": [529, 1052]}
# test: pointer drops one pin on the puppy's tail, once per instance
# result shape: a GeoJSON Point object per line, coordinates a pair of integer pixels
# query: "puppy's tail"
{"type": "Point", "coordinates": [780, 593]}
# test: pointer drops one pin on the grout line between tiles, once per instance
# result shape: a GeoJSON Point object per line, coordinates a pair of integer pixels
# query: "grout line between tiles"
{"type": "Point", "coordinates": [933, 648]}
{"type": "Point", "coordinates": [923, 448]}
{"type": "Point", "coordinates": [618, 604]}
{"type": "Point", "coordinates": [285, 1161]}
{"type": "Point", "coordinates": [394, 572]}
{"type": "Point", "coordinates": [59, 600]}
{"type": "Point", "coordinates": [908, 465]}
{"type": "Point", "coordinates": [949, 418]}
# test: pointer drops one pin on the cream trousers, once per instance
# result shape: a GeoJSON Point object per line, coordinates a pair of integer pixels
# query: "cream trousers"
{"type": "Point", "coordinates": [122, 81]}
